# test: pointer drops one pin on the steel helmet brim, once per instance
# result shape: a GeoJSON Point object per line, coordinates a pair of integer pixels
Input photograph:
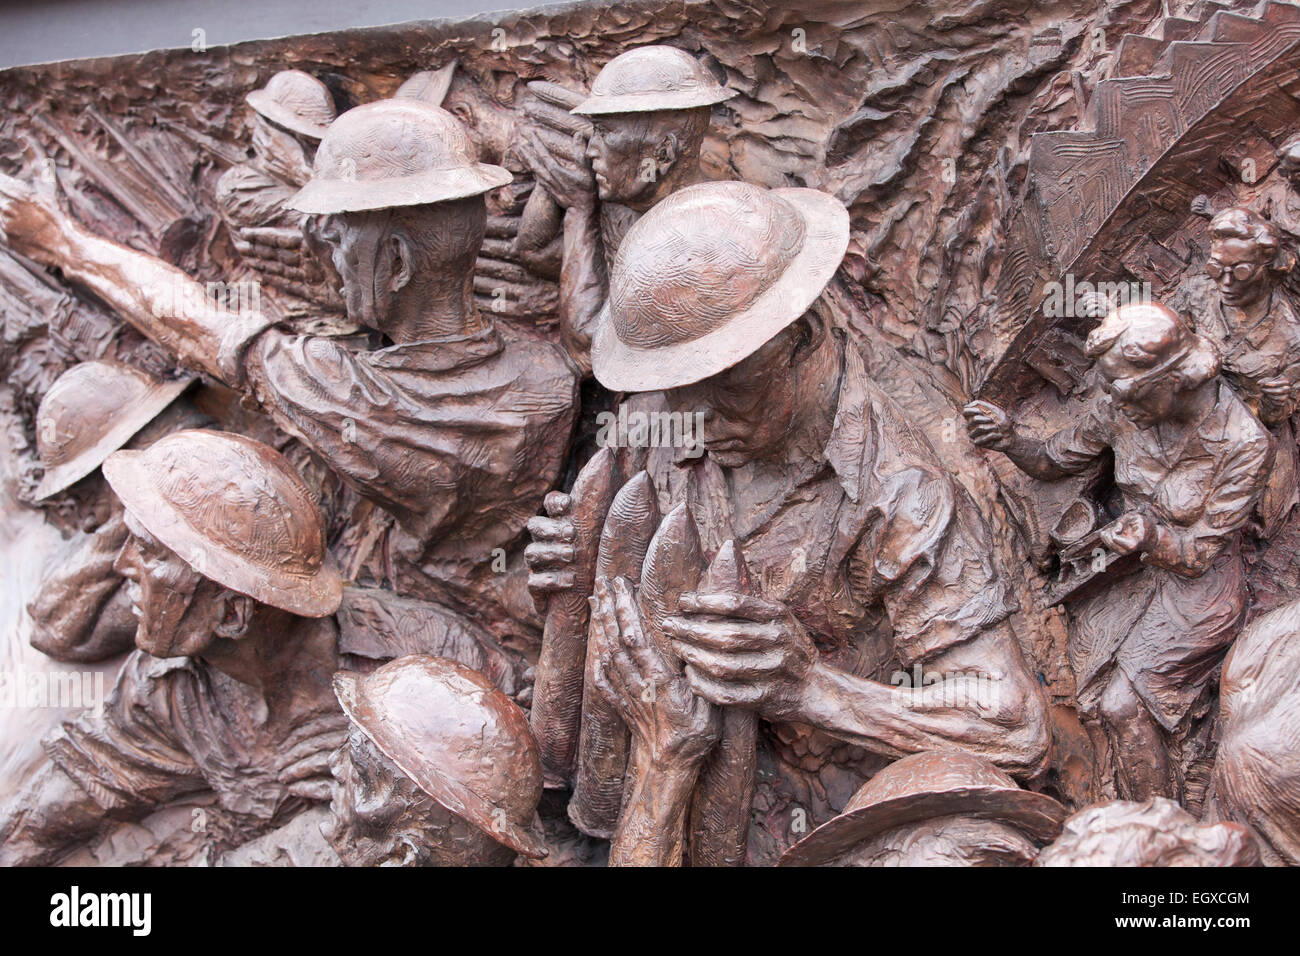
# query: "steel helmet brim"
{"type": "Point", "coordinates": [140, 413]}
{"type": "Point", "coordinates": [624, 368]}
{"type": "Point", "coordinates": [315, 595]}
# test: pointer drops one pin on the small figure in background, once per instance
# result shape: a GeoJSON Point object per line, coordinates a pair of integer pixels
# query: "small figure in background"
{"type": "Point", "coordinates": [607, 158]}
{"type": "Point", "coordinates": [289, 117]}
{"type": "Point", "coordinates": [1190, 463]}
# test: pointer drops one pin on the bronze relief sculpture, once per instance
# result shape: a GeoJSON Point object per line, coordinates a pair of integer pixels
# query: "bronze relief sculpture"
{"type": "Point", "coordinates": [665, 435]}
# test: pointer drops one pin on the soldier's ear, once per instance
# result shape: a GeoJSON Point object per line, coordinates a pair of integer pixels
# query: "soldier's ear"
{"type": "Point", "coordinates": [667, 151]}
{"type": "Point", "coordinates": [236, 616]}
{"type": "Point", "coordinates": [401, 262]}
{"type": "Point", "coordinates": [810, 332]}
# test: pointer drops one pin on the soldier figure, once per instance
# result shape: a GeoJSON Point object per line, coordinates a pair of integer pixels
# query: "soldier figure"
{"type": "Point", "coordinates": [1190, 462]}
{"type": "Point", "coordinates": [83, 612]}
{"type": "Point", "coordinates": [229, 688]}
{"type": "Point", "coordinates": [722, 295]}
{"type": "Point", "coordinates": [440, 769]}
{"type": "Point", "coordinates": [289, 117]}
{"type": "Point", "coordinates": [454, 428]}
{"type": "Point", "coordinates": [944, 808]}
{"type": "Point", "coordinates": [1252, 321]}
{"type": "Point", "coordinates": [1157, 832]}
{"type": "Point", "coordinates": [649, 110]}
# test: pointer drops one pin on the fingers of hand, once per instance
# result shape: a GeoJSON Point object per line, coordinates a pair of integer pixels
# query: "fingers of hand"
{"type": "Point", "coordinates": [545, 581]}
{"type": "Point", "coordinates": [629, 617]}
{"type": "Point", "coordinates": [548, 556]}
{"type": "Point", "coordinates": [551, 529]}
{"type": "Point", "coordinates": [554, 117]}
{"type": "Point", "coordinates": [557, 504]}
{"type": "Point", "coordinates": [722, 693]}
{"type": "Point", "coordinates": [733, 666]}
{"type": "Point", "coordinates": [730, 604]}
{"type": "Point", "coordinates": [723, 636]}
{"type": "Point", "coordinates": [276, 236]}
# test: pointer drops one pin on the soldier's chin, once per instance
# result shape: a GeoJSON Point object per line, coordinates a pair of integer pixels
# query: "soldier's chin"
{"type": "Point", "coordinates": [729, 456]}
{"type": "Point", "coordinates": [175, 644]}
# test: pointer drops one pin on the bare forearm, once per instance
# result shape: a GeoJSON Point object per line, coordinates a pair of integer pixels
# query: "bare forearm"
{"type": "Point", "coordinates": [652, 828]}
{"type": "Point", "coordinates": [1029, 455]}
{"type": "Point", "coordinates": [160, 300]}
{"type": "Point", "coordinates": [583, 283]}
{"type": "Point", "coordinates": [986, 715]}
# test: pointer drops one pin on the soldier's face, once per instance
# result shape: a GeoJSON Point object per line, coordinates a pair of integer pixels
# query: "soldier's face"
{"type": "Point", "coordinates": [748, 409]}
{"type": "Point", "coordinates": [178, 609]}
{"type": "Point", "coordinates": [629, 153]}
{"type": "Point", "coordinates": [1239, 270]}
{"type": "Point", "coordinates": [380, 254]}
{"type": "Point", "coordinates": [379, 817]}
{"type": "Point", "coordinates": [354, 240]}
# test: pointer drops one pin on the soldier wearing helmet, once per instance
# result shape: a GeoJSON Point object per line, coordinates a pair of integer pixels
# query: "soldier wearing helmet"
{"type": "Point", "coordinates": [724, 297]}
{"type": "Point", "coordinates": [288, 117]}
{"type": "Point", "coordinates": [612, 155]}
{"type": "Point", "coordinates": [943, 808]}
{"type": "Point", "coordinates": [228, 690]}
{"type": "Point", "coordinates": [1190, 463]}
{"type": "Point", "coordinates": [82, 612]}
{"type": "Point", "coordinates": [452, 426]}
{"type": "Point", "coordinates": [440, 769]}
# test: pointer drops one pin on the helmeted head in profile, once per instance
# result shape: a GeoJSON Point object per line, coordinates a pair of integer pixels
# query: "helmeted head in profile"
{"type": "Point", "coordinates": [295, 101]}
{"type": "Point", "coordinates": [290, 116]}
{"type": "Point", "coordinates": [219, 525]}
{"type": "Point", "coordinates": [1150, 359]}
{"type": "Point", "coordinates": [89, 412]}
{"type": "Point", "coordinates": [943, 808]}
{"type": "Point", "coordinates": [440, 769]}
{"type": "Point", "coordinates": [650, 110]}
{"type": "Point", "coordinates": [405, 199]}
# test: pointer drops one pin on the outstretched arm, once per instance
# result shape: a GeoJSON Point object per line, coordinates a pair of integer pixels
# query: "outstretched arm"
{"type": "Point", "coordinates": [1068, 452]}
{"type": "Point", "coordinates": [160, 300]}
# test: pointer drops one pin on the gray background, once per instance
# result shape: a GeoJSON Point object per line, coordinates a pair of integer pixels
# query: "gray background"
{"type": "Point", "coordinates": [38, 32]}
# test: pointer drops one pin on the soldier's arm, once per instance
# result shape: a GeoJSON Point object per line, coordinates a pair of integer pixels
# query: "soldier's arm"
{"type": "Point", "coordinates": [161, 301]}
{"type": "Point", "coordinates": [982, 699]}
{"type": "Point", "coordinates": [1071, 450]}
{"type": "Point", "coordinates": [76, 614]}
{"type": "Point", "coordinates": [583, 283]}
